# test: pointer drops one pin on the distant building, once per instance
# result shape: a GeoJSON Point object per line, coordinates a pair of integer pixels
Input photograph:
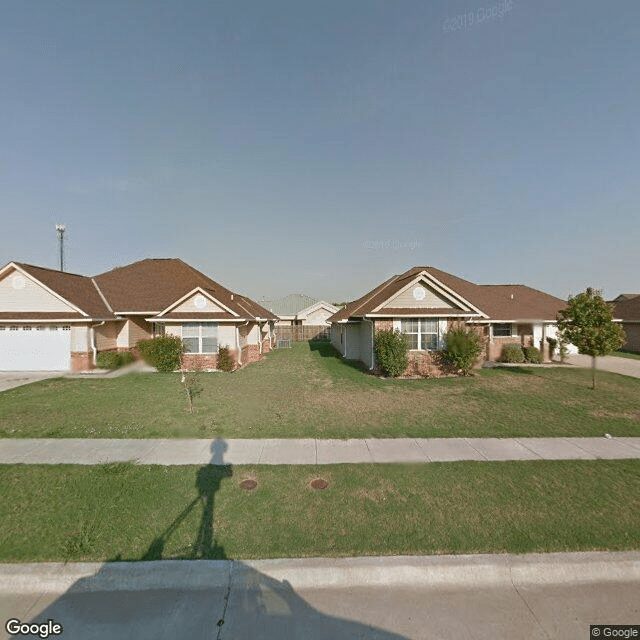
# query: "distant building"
{"type": "Point", "coordinates": [300, 317]}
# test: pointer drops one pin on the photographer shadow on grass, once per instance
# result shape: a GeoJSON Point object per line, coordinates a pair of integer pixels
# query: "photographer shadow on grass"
{"type": "Point", "coordinates": [213, 597]}
{"type": "Point", "coordinates": [208, 481]}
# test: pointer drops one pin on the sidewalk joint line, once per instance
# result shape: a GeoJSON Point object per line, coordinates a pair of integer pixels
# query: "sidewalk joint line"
{"type": "Point", "coordinates": [535, 453]}
{"type": "Point", "coordinates": [424, 451]}
{"type": "Point", "coordinates": [466, 440]}
{"type": "Point", "coordinates": [261, 451]}
{"type": "Point", "coordinates": [573, 441]}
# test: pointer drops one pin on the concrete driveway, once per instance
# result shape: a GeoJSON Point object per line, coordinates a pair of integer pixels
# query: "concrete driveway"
{"type": "Point", "coordinates": [11, 379]}
{"type": "Point", "coordinates": [625, 366]}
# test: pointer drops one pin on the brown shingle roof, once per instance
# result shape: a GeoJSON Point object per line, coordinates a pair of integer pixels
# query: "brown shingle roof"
{"type": "Point", "coordinates": [146, 286]}
{"type": "Point", "coordinates": [628, 309]}
{"type": "Point", "coordinates": [154, 284]}
{"type": "Point", "coordinates": [499, 302]}
{"type": "Point", "coordinates": [79, 290]}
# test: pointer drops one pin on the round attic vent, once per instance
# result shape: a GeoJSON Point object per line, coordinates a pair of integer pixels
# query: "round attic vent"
{"type": "Point", "coordinates": [200, 301]}
{"type": "Point", "coordinates": [419, 293]}
{"type": "Point", "coordinates": [18, 282]}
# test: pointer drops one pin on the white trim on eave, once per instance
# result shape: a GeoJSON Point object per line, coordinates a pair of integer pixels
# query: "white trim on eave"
{"type": "Point", "coordinates": [441, 288]}
{"type": "Point", "coordinates": [422, 314]}
{"type": "Point", "coordinates": [17, 267]}
{"type": "Point", "coordinates": [204, 293]}
{"type": "Point", "coordinates": [517, 320]}
{"type": "Point", "coordinates": [181, 320]}
{"type": "Point", "coordinates": [321, 304]}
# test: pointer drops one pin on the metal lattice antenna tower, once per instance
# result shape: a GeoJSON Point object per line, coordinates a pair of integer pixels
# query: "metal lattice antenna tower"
{"type": "Point", "coordinates": [60, 228]}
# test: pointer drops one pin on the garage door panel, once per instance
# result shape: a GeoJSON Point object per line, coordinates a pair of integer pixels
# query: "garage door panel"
{"type": "Point", "coordinates": [35, 350]}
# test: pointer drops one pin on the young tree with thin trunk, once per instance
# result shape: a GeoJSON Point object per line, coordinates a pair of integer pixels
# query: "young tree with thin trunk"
{"type": "Point", "coordinates": [587, 322]}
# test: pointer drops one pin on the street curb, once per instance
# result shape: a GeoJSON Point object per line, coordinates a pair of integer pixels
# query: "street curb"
{"type": "Point", "coordinates": [435, 572]}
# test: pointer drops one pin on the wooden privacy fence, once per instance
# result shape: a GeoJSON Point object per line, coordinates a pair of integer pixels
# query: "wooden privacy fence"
{"type": "Point", "coordinates": [303, 332]}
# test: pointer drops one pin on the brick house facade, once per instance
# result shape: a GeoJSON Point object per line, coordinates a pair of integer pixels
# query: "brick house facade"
{"type": "Point", "coordinates": [425, 303]}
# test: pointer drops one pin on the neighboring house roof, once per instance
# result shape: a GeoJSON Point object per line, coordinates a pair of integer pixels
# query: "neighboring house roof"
{"type": "Point", "coordinates": [79, 290]}
{"type": "Point", "coordinates": [322, 304]}
{"type": "Point", "coordinates": [626, 296]}
{"type": "Point", "coordinates": [153, 284]}
{"type": "Point", "coordinates": [290, 305]}
{"type": "Point", "coordinates": [147, 286]}
{"type": "Point", "coordinates": [627, 310]}
{"type": "Point", "coordinates": [496, 302]}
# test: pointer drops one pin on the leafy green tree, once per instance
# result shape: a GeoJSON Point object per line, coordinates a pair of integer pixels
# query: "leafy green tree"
{"type": "Point", "coordinates": [587, 322]}
{"type": "Point", "coordinates": [391, 349]}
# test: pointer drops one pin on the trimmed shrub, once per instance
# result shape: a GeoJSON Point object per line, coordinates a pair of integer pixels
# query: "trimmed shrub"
{"type": "Point", "coordinates": [126, 357]}
{"type": "Point", "coordinates": [163, 352]}
{"type": "Point", "coordinates": [512, 353]}
{"type": "Point", "coordinates": [391, 349]}
{"type": "Point", "coordinates": [553, 343]}
{"type": "Point", "coordinates": [464, 345]}
{"type": "Point", "coordinates": [533, 355]}
{"type": "Point", "coordinates": [108, 360]}
{"type": "Point", "coordinates": [225, 360]}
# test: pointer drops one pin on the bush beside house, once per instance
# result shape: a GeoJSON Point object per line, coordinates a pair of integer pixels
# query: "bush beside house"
{"type": "Point", "coordinates": [463, 347]}
{"type": "Point", "coordinates": [113, 359]}
{"type": "Point", "coordinates": [163, 352]}
{"type": "Point", "coordinates": [391, 348]}
{"type": "Point", "coordinates": [512, 353]}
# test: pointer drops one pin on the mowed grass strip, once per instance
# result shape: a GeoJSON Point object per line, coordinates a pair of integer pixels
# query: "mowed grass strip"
{"type": "Point", "coordinates": [127, 512]}
{"type": "Point", "coordinates": [634, 355]}
{"type": "Point", "coordinates": [308, 392]}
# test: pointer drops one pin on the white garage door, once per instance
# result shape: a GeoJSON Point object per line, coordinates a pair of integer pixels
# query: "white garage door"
{"type": "Point", "coordinates": [26, 348]}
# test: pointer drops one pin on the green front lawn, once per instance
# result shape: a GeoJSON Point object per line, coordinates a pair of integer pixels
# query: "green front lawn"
{"type": "Point", "coordinates": [128, 512]}
{"type": "Point", "coordinates": [309, 392]}
{"type": "Point", "coordinates": [626, 354]}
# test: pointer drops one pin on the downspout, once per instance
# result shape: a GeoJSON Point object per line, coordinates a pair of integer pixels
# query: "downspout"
{"type": "Point", "coordinates": [372, 343]}
{"type": "Point", "coordinates": [344, 355]}
{"type": "Point", "coordinates": [94, 347]}
{"type": "Point", "coordinates": [259, 338]}
{"type": "Point", "coordinates": [238, 342]}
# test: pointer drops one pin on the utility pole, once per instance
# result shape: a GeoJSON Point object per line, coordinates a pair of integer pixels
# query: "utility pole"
{"type": "Point", "coordinates": [60, 228]}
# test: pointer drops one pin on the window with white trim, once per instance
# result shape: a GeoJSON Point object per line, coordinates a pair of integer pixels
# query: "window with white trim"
{"type": "Point", "coordinates": [422, 333]}
{"type": "Point", "coordinates": [501, 329]}
{"type": "Point", "coordinates": [200, 337]}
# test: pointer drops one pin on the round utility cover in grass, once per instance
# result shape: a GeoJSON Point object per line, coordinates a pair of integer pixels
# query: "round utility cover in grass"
{"type": "Point", "coordinates": [319, 484]}
{"type": "Point", "coordinates": [248, 485]}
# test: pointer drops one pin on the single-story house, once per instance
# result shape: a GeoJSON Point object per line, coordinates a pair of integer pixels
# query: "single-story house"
{"type": "Point", "coordinates": [53, 320]}
{"type": "Point", "coordinates": [626, 307]}
{"type": "Point", "coordinates": [424, 303]}
{"type": "Point", "coordinates": [297, 311]}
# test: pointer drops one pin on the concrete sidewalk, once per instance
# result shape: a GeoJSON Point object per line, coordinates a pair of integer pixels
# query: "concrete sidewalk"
{"type": "Point", "coordinates": [310, 451]}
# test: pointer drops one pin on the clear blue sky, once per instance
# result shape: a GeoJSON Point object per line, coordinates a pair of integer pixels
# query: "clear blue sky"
{"type": "Point", "coordinates": [320, 147]}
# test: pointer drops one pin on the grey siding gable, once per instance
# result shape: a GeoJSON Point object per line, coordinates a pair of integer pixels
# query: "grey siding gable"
{"type": "Point", "coordinates": [406, 300]}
